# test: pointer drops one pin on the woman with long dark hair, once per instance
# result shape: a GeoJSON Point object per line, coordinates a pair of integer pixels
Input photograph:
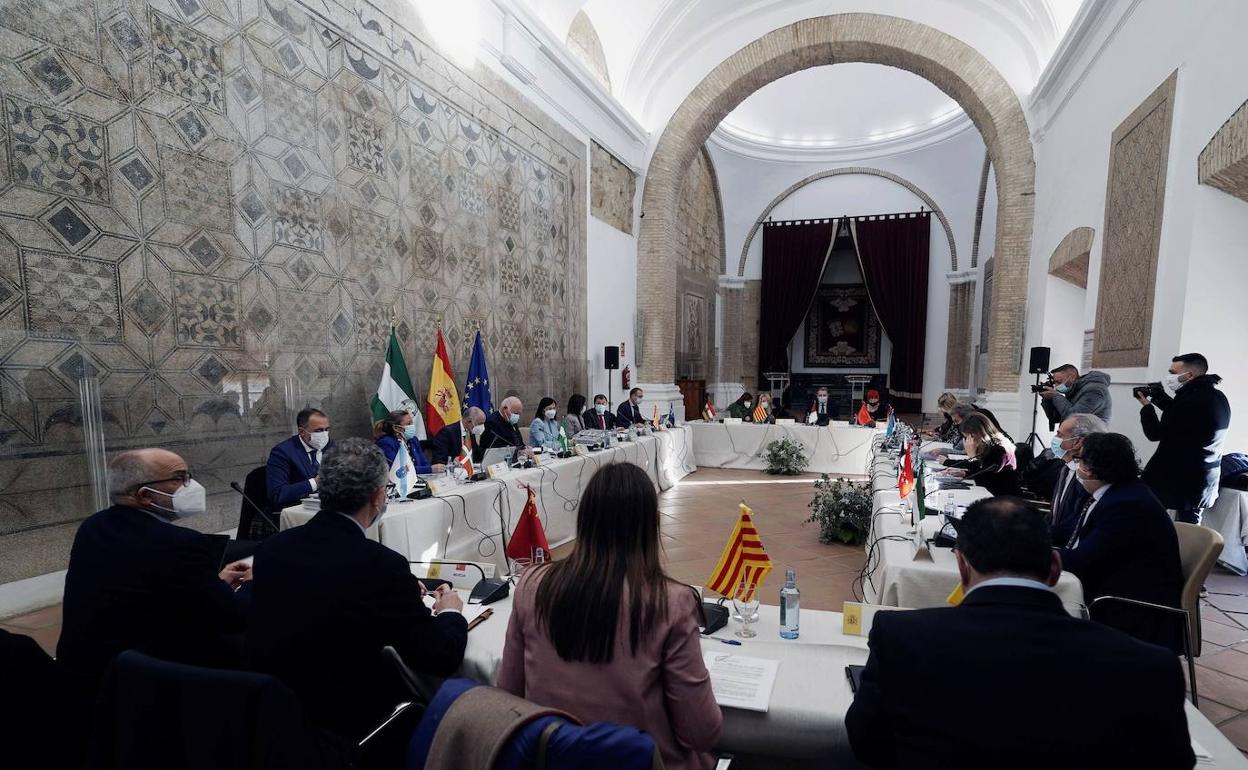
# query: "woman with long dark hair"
{"type": "Point", "coordinates": [606, 635]}
{"type": "Point", "coordinates": [544, 430]}
{"type": "Point", "coordinates": [990, 462]}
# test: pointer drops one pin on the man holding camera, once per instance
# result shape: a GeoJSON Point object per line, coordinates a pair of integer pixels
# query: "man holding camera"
{"type": "Point", "coordinates": [1071, 394]}
{"type": "Point", "coordinates": [1185, 469]}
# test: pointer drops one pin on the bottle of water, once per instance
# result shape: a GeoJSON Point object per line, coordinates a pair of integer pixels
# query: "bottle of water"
{"type": "Point", "coordinates": [790, 605]}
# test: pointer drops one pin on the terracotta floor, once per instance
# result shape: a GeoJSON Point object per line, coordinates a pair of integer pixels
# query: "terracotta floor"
{"type": "Point", "coordinates": [699, 513]}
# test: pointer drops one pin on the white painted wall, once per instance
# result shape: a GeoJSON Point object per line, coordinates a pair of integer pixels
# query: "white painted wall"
{"type": "Point", "coordinates": [612, 290]}
{"type": "Point", "coordinates": [948, 172]}
{"type": "Point", "coordinates": [1200, 275]}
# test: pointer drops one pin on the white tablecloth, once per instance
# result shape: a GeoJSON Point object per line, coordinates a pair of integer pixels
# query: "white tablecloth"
{"type": "Point", "coordinates": [805, 725]}
{"type": "Point", "coordinates": [1229, 516]}
{"type": "Point", "coordinates": [465, 523]}
{"type": "Point", "coordinates": [841, 449]}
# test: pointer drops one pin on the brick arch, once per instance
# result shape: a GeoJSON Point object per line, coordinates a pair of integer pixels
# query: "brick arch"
{"type": "Point", "coordinates": [866, 171]}
{"type": "Point", "coordinates": [951, 65]}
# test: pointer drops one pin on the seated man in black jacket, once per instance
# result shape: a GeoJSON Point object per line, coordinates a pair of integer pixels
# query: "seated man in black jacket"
{"type": "Point", "coordinates": [1008, 679]}
{"type": "Point", "coordinates": [600, 416]}
{"type": "Point", "coordinates": [1069, 496]}
{"type": "Point", "coordinates": [449, 443]}
{"type": "Point", "coordinates": [137, 581]}
{"type": "Point", "coordinates": [501, 429]}
{"type": "Point", "coordinates": [327, 600]}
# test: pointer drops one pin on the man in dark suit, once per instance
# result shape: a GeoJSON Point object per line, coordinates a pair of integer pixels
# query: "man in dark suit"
{"type": "Point", "coordinates": [629, 412]}
{"type": "Point", "coordinates": [1008, 678]}
{"type": "Point", "coordinates": [820, 410]}
{"type": "Point", "coordinates": [599, 417]}
{"type": "Point", "coordinates": [137, 581]}
{"type": "Point", "coordinates": [327, 600]}
{"type": "Point", "coordinates": [1186, 467]}
{"type": "Point", "coordinates": [447, 445]}
{"type": "Point", "coordinates": [1125, 544]}
{"type": "Point", "coordinates": [501, 429]}
{"type": "Point", "coordinates": [1068, 494]}
{"type": "Point", "coordinates": [293, 464]}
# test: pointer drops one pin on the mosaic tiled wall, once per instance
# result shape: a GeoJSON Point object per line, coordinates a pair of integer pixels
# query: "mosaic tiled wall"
{"type": "Point", "coordinates": [215, 208]}
{"type": "Point", "coordinates": [612, 187]}
{"type": "Point", "coordinates": [700, 244]}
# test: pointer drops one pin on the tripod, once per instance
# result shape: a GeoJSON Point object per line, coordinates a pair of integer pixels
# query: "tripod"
{"type": "Point", "coordinates": [1035, 414]}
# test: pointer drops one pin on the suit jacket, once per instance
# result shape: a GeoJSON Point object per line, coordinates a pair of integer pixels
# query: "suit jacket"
{"type": "Point", "coordinates": [822, 417]}
{"type": "Point", "coordinates": [498, 433]}
{"type": "Point", "coordinates": [136, 582]}
{"type": "Point", "coordinates": [628, 414]}
{"type": "Point", "coordinates": [594, 421]}
{"type": "Point", "coordinates": [1067, 503]}
{"type": "Point", "coordinates": [1187, 464]}
{"type": "Point", "coordinates": [1128, 547]}
{"type": "Point", "coordinates": [289, 470]}
{"type": "Point", "coordinates": [327, 599]}
{"type": "Point", "coordinates": [446, 446]}
{"type": "Point", "coordinates": [1009, 679]}
{"type": "Point", "coordinates": [389, 446]}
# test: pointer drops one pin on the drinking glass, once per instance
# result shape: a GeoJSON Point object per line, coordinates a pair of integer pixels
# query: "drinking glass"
{"type": "Point", "coordinates": [520, 565]}
{"type": "Point", "coordinates": [745, 601]}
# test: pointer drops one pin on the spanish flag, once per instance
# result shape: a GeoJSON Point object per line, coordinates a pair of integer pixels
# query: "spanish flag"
{"type": "Point", "coordinates": [442, 403]}
{"type": "Point", "coordinates": [864, 416]}
{"type": "Point", "coordinates": [743, 560]}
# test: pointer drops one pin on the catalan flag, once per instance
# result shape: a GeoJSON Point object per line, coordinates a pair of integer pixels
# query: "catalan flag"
{"type": "Point", "coordinates": [743, 559]}
{"type": "Point", "coordinates": [760, 414]}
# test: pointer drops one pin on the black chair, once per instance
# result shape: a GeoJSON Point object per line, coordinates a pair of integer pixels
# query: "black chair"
{"type": "Point", "coordinates": [256, 523]}
{"type": "Point", "coordinates": [43, 715]}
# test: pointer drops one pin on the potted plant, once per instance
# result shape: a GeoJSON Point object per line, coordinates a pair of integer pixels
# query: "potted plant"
{"type": "Point", "coordinates": [785, 457]}
{"type": "Point", "coordinates": [842, 509]}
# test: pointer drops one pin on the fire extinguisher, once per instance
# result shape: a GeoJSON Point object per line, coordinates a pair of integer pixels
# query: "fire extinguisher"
{"type": "Point", "coordinates": [626, 375]}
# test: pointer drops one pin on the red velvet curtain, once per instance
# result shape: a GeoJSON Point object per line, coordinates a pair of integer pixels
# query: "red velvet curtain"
{"type": "Point", "coordinates": [794, 256]}
{"type": "Point", "coordinates": [893, 252]}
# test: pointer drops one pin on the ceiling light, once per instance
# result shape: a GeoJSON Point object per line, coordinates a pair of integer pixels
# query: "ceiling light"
{"type": "Point", "coordinates": [455, 26]}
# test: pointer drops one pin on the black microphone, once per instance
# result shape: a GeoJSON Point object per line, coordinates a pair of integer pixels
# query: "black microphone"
{"type": "Point", "coordinates": [486, 591]}
{"type": "Point", "coordinates": [234, 486]}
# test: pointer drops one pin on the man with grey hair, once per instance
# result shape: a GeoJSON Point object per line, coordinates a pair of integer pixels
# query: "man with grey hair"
{"type": "Point", "coordinates": [327, 599]}
{"type": "Point", "coordinates": [138, 582]}
{"type": "Point", "coordinates": [451, 440]}
{"type": "Point", "coordinates": [501, 429]}
{"type": "Point", "coordinates": [1069, 495]}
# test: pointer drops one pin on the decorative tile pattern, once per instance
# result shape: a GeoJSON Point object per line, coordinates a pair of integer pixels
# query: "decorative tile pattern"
{"type": "Point", "coordinates": [125, 34]}
{"type": "Point", "coordinates": [289, 112]}
{"type": "Point", "coordinates": [207, 311]}
{"type": "Point", "coordinates": [51, 73]}
{"type": "Point", "coordinates": [298, 219]}
{"type": "Point", "coordinates": [365, 150]}
{"type": "Point", "coordinates": [57, 151]}
{"type": "Point", "coordinates": [303, 326]}
{"type": "Point", "coordinates": [68, 24]}
{"type": "Point", "coordinates": [147, 308]}
{"type": "Point", "coordinates": [186, 63]}
{"type": "Point", "coordinates": [70, 297]}
{"type": "Point", "coordinates": [197, 189]}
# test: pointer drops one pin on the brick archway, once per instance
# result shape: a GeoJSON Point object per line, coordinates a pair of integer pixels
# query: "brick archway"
{"type": "Point", "coordinates": [951, 65]}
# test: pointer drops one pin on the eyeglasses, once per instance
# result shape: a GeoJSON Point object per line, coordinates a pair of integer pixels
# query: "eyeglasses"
{"type": "Point", "coordinates": [182, 476]}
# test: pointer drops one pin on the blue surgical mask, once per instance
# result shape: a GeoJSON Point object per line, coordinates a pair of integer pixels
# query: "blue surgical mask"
{"type": "Point", "coordinates": [1063, 388]}
{"type": "Point", "coordinates": [409, 432]}
{"type": "Point", "coordinates": [600, 408]}
{"type": "Point", "coordinates": [1056, 446]}
{"type": "Point", "coordinates": [515, 418]}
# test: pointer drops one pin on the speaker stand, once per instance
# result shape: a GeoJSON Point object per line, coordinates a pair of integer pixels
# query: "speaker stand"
{"type": "Point", "coordinates": [1035, 414]}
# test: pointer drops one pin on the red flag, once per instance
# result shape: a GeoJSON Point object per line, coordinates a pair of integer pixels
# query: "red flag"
{"type": "Point", "coordinates": [905, 479]}
{"type": "Point", "coordinates": [442, 402]}
{"type": "Point", "coordinates": [529, 535]}
{"type": "Point", "coordinates": [864, 416]}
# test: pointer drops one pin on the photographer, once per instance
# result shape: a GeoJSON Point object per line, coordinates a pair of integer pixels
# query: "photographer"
{"type": "Point", "coordinates": [1184, 470]}
{"type": "Point", "coordinates": [1072, 394]}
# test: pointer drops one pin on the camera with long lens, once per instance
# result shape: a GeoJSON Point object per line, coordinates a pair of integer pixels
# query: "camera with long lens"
{"type": "Point", "coordinates": [1043, 385]}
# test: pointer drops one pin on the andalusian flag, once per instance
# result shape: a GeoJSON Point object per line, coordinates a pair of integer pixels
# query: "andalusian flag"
{"type": "Point", "coordinates": [743, 559]}
{"type": "Point", "coordinates": [395, 391]}
{"type": "Point", "coordinates": [442, 403]}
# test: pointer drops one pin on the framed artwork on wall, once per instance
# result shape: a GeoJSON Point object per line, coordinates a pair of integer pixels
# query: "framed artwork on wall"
{"type": "Point", "coordinates": [842, 331]}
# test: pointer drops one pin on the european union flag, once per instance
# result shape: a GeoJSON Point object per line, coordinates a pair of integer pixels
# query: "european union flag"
{"type": "Point", "coordinates": [477, 388]}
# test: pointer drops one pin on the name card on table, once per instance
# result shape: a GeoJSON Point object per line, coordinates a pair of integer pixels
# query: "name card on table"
{"type": "Point", "coordinates": [441, 486]}
{"type": "Point", "coordinates": [732, 421]}
{"type": "Point", "coordinates": [858, 617]}
{"type": "Point", "coordinates": [582, 450]}
{"type": "Point", "coordinates": [496, 470]}
{"type": "Point", "coordinates": [785, 421]}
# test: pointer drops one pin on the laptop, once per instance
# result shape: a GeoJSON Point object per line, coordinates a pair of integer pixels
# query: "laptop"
{"type": "Point", "coordinates": [501, 454]}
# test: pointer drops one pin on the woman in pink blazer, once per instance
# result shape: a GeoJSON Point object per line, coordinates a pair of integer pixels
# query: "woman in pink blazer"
{"type": "Point", "coordinates": [606, 636]}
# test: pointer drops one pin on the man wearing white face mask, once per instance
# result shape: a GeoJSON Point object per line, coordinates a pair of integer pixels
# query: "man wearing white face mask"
{"type": "Point", "coordinates": [1186, 467]}
{"type": "Point", "coordinates": [293, 464]}
{"type": "Point", "coordinates": [1069, 495]}
{"type": "Point", "coordinates": [820, 412]}
{"type": "Point", "coordinates": [137, 581]}
{"type": "Point", "coordinates": [600, 417]}
{"type": "Point", "coordinates": [501, 429]}
{"type": "Point", "coordinates": [447, 445]}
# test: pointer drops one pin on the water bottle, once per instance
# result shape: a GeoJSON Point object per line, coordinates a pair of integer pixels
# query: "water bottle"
{"type": "Point", "coordinates": [790, 605]}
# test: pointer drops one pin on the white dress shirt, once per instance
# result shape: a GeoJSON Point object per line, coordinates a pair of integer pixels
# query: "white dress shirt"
{"type": "Point", "coordinates": [1087, 514]}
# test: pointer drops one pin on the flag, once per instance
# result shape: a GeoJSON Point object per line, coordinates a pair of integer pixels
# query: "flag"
{"type": "Point", "coordinates": [465, 460]}
{"type": "Point", "coordinates": [708, 411]}
{"type": "Point", "coordinates": [743, 559]}
{"type": "Point", "coordinates": [395, 391]}
{"type": "Point", "coordinates": [402, 472]}
{"type": "Point", "coordinates": [905, 479]}
{"type": "Point", "coordinates": [955, 596]}
{"type": "Point", "coordinates": [442, 402]}
{"type": "Point", "coordinates": [864, 416]}
{"type": "Point", "coordinates": [654, 419]}
{"type": "Point", "coordinates": [760, 414]}
{"type": "Point", "coordinates": [477, 387]}
{"type": "Point", "coordinates": [563, 439]}
{"type": "Point", "coordinates": [920, 507]}
{"type": "Point", "coordinates": [528, 535]}
{"type": "Point", "coordinates": [892, 421]}
{"type": "Point", "coordinates": [671, 415]}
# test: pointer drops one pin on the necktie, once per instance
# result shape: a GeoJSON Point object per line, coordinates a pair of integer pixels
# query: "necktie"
{"type": "Point", "coordinates": [312, 459]}
{"type": "Point", "coordinates": [1083, 514]}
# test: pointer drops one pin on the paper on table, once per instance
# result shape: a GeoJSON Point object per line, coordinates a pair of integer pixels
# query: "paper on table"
{"type": "Point", "coordinates": [1203, 757]}
{"type": "Point", "coordinates": [741, 682]}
